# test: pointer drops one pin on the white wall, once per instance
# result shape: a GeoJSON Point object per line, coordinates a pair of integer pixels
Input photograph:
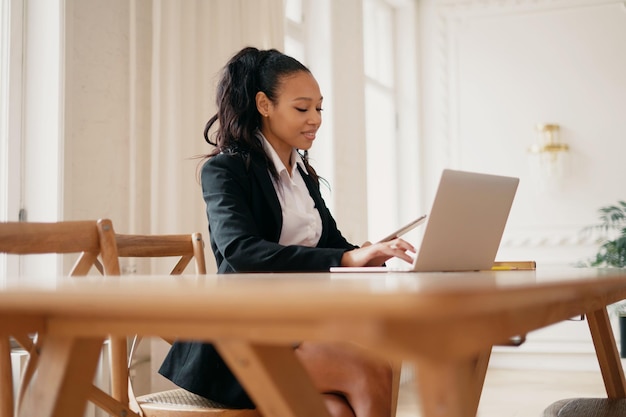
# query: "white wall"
{"type": "Point", "coordinates": [495, 69]}
{"type": "Point", "coordinates": [492, 71]}
{"type": "Point", "coordinates": [97, 110]}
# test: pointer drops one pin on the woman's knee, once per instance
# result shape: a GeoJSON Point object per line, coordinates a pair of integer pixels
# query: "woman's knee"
{"type": "Point", "coordinates": [338, 406]}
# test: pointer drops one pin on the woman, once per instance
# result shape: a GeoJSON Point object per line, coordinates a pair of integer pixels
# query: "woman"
{"type": "Point", "coordinates": [266, 213]}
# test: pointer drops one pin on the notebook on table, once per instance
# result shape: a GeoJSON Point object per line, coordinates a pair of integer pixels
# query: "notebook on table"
{"type": "Point", "coordinates": [464, 226]}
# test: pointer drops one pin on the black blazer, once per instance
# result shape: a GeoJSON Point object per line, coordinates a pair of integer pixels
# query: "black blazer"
{"type": "Point", "coordinates": [245, 221]}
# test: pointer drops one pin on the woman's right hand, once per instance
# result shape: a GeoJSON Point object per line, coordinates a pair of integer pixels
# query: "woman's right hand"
{"type": "Point", "coordinates": [377, 254]}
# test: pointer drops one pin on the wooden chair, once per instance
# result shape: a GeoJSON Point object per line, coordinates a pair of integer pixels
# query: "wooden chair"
{"type": "Point", "coordinates": [171, 403]}
{"type": "Point", "coordinates": [89, 238]}
{"type": "Point", "coordinates": [184, 246]}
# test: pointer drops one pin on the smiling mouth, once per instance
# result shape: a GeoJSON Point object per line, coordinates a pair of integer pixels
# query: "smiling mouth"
{"type": "Point", "coordinates": [309, 135]}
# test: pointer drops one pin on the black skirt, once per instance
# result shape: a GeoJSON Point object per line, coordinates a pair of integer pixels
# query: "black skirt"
{"type": "Point", "coordinates": [198, 368]}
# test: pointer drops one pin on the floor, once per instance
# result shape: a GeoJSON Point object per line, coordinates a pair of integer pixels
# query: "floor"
{"type": "Point", "coordinates": [513, 393]}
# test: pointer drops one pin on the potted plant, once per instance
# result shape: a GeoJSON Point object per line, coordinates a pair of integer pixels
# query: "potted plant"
{"type": "Point", "coordinates": [612, 227]}
{"type": "Point", "coordinates": [612, 254]}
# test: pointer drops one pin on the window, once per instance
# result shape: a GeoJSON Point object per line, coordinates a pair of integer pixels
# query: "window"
{"type": "Point", "coordinates": [392, 118]}
{"type": "Point", "coordinates": [4, 136]}
{"type": "Point", "coordinates": [30, 152]}
{"type": "Point", "coordinates": [5, 39]}
{"type": "Point", "coordinates": [10, 117]}
{"type": "Point", "coordinates": [380, 115]}
{"type": "Point", "coordinates": [294, 30]}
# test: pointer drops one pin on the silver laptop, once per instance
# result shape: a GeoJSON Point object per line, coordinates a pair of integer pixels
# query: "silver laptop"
{"type": "Point", "coordinates": [464, 226]}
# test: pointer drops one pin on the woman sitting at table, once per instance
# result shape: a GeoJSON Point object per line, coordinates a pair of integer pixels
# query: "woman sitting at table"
{"type": "Point", "coordinates": [266, 213]}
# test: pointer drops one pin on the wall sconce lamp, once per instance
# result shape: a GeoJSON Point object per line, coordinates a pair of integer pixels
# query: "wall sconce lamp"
{"type": "Point", "coordinates": [549, 141]}
{"type": "Point", "coordinates": [549, 153]}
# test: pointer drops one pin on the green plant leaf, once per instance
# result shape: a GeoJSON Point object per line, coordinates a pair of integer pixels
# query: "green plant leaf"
{"type": "Point", "coordinates": [612, 251]}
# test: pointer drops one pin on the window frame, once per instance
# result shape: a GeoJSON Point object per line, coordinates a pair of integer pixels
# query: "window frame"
{"type": "Point", "coordinates": [11, 125]}
{"type": "Point", "coordinates": [32, 105]}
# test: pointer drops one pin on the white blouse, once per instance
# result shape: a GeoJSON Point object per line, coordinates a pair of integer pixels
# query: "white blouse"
{"type": "Point", "coordinates": [302, 224]}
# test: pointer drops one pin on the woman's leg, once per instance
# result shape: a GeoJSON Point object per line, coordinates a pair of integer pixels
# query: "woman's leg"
{"type": "Point", "coordinates": [351, 372]}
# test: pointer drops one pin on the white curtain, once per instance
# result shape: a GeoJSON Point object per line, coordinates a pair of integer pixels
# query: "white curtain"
{"type": "Point", "coordinates": [180, 46]}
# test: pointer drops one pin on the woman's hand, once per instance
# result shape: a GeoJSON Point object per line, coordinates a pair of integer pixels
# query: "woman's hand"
{"type": "Point", "coordinates": [377, 254]}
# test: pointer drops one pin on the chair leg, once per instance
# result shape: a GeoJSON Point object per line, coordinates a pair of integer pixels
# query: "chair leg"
{"type": "Point", "coordinates": [119, 368]}
{"type": "Point", "coordinates": [30, 368]}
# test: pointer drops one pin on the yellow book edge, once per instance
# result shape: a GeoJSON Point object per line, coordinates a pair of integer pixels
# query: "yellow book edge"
{"type": "Point", "coordinates": [514, 266]}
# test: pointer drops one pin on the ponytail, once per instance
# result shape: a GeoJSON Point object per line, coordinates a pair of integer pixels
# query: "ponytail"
{"type": "Point", "coordinates": [236, 105]}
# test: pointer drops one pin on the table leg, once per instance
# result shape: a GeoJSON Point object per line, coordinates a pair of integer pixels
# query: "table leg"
{"type": "Point", "coordinates": [66, 370]}
{"type": "Point", "coordinates": [481, 362]}
{"type": "Point", "coordinates": [608, 356]}
{"type": "Point", "coordinates": [274, 378]}
{"type": "Point", "coordinates": [6, 378]}
{"type": "Point", "coordinates": [450, 388]}
{"type": "Point", "coordinates": [396, 371]}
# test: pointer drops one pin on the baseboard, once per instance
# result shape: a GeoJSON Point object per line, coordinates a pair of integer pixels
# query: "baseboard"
{"type": "Point", "coordinates": [574, 356]}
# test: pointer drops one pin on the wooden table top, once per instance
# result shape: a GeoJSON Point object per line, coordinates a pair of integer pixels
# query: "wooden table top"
{"type": "Point", "coordinates": [443, 321]}
{"type": "Point", "coordinates": [297, 295]}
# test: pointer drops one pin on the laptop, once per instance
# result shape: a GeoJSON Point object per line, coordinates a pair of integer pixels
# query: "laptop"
{"type": "Point", "coordinates": [465, 224]}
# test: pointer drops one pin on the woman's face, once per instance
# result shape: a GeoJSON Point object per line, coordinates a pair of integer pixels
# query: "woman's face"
{"type": "Point", "coordinates": [293, 119]}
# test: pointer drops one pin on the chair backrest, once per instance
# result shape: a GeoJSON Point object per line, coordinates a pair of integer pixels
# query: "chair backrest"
{"type": "Point", "coordinates": [185, 246]}
{"type": "Point", "coordinates": [90, 238]}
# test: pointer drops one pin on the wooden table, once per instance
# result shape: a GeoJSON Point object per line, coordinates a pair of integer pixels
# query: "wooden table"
{"type": "Point", "coordinates": [445, 323]}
